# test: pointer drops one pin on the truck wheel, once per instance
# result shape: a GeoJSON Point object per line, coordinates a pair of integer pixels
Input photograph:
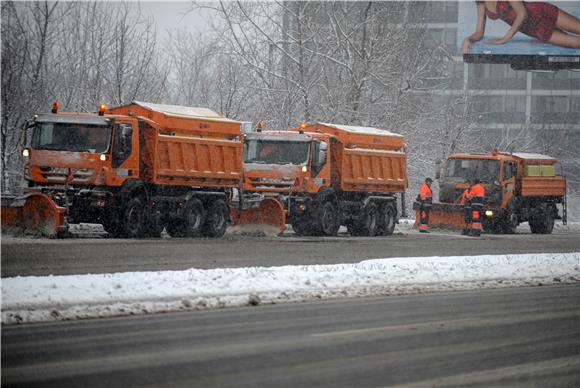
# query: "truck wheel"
{"type": "Point", "coordinates": [510, 222]}
{"type": "Point", "coordinates": [386, 220]}
{"type": "Point", "coordinates": [353, 228]}
{"type": "Point", "coordinates": [112, 226]}
{"type": "Point", "coordinates": [193, 218]}
{"type": "Point", "coordinates": [175, 228]}
{"type": "Point", "coordinates": [328, 223]}
{"type": "Point", "coordinates": [544, 225]}
{"type": "Point", "coordinates": [134, 218]}
{"type": "Point", "coordinates": [369, 225]}
{"type": "Point", "coordinates": [216, 221]}
{"type": "Point", "coordinates": [154, 229]}
{"type": "Point", "coordinates": [302, 227]}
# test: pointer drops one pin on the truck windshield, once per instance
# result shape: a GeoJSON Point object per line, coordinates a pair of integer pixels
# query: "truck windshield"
{"type": "Point", "coordinates": [276, 152]}
{"type": "Point", "coordinates": [71, 137]}
{"type": "Point", "coordinates": [485, 170]}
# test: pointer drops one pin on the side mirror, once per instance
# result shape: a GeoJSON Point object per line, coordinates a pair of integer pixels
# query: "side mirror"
{"type": "Point", "coordinates": [126, 131]}
{"type": "Point", "coordinates": [322, 153]}
{"type": "Point", "coordinates": [315, 154]}
{"type": "Point", "coordinates": [126, 135]}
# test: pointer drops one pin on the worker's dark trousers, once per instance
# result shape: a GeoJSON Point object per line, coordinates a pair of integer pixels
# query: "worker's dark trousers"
{"type": "Point", "coordinates": [476, 213]}
{"type": "Point", "coordinates": [467, 214]}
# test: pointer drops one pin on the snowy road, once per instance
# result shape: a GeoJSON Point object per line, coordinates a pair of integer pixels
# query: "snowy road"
{"type": "Point", "coordinates": [517, 337]}
{"type": "Point", "coordinates": [40, 257]}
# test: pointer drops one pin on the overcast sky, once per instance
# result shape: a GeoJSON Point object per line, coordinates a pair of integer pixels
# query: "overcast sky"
{"type": "Point", "coordinates": [173, 15]}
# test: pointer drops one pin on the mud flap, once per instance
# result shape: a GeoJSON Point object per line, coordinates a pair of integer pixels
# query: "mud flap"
{"type": "Point", "coordinates": [270, 212]}
{"type": "Point", "coordinates": [444, 216]}
{"type": "Point", "coordinates": [34, 213]}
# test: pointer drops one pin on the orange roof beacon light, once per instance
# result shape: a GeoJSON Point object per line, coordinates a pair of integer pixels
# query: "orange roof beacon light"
{"type": "Point", "coordinates": [102, 109]}
{"type": "Point", "coordinates": [302, 126]}
{"type": "Point", "coordinates": [260, 126]}
{"type": "Point", "coordinates": [55, 106]}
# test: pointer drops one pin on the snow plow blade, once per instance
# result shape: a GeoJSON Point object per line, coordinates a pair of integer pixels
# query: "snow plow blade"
{"type": "Point", "coordinates": [34, 213]}
{"type": "Point", "coordinates": [444, 216]}
{"type": "Point", "coordinates": [270, 212]}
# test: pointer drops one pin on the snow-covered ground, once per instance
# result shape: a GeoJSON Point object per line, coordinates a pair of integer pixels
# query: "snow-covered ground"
{"type": "Point", "coordinates": [33, 299]}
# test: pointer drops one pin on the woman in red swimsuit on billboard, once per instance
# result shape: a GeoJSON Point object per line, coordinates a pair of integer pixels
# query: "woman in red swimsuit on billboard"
{"type": "Point", "coordinates": [540, 20]}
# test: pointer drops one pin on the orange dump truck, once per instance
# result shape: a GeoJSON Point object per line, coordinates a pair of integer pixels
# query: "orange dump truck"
{"type": "Point", "coordinates": [321, 176]}
{"type": "Point", "coordinates": [135, 169]}
{"type": "Point", "coordinates": [519, 187]}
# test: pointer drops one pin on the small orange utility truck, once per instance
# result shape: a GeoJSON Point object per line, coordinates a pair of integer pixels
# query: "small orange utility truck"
{"type": "Point", "coordinates": [135, 169]}
{"type": "Point", "coordinates": [321, 176]}
{"type": "Point", "coordinates": [519, 187]}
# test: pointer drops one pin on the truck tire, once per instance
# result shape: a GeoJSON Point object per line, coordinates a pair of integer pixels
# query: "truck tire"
{"type": "Point", "coordinates": [175, 228]}
{"type": "Point", "coordinates": [193, 218]}
{"type": "Point", "coordinates": [302, 226]}
{"type": "Point", "coordinates": [545, 224]}
{"type": "Point", "coordinates": [386, 220]}
{"type": "Point", "coordinates": [133, 222]}
{"type": "Point", "coordinates": [154, 229]}
{"type": "Point", "coordinates": [368, 225]}
{"type": "Point", "coordinates": [328, 220]}
{"type": "Point", "coordinates": [216, 220]}
{"type": "Point", "coordinates": [112, 225]}
{"type": "Point", "coordinates": [510, 222]}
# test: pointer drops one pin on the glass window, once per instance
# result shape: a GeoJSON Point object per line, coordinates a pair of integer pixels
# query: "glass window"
{"type": "Point", "coordinates": [550, 104]}
{"type": "Point", "coordinates": [276, 152]}
{"type": "Point", "coordinates": [510, 170]}
{"type": "Point", "coordinates": [485, 170]}
{"type": "Point", "coordinates": [497, 70]}
{"type": "Point", "coordinates": [515, 104]}
{"type": "Point", "coordinates": [71, 137]}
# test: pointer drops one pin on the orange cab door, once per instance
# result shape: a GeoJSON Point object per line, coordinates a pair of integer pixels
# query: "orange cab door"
{"type": "Point", "coordinates": [508, 181]}
{"type": "Point", "coordinates": [125, 155]}
{"type": "Point", "coordinates": [319, 166]}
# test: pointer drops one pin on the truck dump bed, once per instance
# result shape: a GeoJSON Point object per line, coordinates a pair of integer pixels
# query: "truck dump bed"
{"type": "Point", "coordinates": [187, 146]}
{"type": "Point", "coordinates": [199, 122]}
{"type": "Point", "coordinates": [540, 176]}
{"type": "Point", "coordinates": [366, 159]}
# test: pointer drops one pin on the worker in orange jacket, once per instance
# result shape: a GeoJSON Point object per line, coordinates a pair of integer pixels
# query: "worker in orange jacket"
{"type": "Point", "coordinates": [425, 199]}
{"type": "Point", "coordinates": [466, 202]}
{"type": "Point", "coordinates": [473, 199]}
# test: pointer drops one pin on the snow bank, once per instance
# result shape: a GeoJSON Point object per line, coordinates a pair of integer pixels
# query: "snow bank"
{"type": "Point", "coordinates": [33, 299]}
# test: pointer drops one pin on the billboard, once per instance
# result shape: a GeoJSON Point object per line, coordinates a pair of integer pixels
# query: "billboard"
{"type": "Point", "coordinates": [547, 39]}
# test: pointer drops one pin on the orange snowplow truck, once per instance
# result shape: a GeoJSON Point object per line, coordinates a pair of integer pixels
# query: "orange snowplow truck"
{"type": "Point", "coordinates": [519, 187]}
{"type": "Point", "coordinates": [321, 176]}
{"type": "Point", "coordinates": [135, 169]}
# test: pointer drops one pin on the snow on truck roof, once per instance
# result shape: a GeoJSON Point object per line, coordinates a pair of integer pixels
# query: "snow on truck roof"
{"type": "Point", "coordinates": [178, 109]}
{"type": "Point", "coordinates": [361, 130]}
{"type": "Point", "coordinates": [525, 155]}
{"type": "Point", "coordinates": [184, 111]}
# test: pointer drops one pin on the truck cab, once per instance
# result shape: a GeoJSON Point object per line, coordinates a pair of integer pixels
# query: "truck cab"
{"type": "Point", "coordinates": [82, 150]}
{"type": "Point", "coordinates": [284, 162]}
{"type": "Point", "coordinates": [519, 187]}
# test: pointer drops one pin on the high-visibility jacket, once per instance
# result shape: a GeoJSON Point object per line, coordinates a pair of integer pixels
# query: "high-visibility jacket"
{"type": "Point", "coordinates": [475, 195]}
{"type": "Point", "coordinates": [465, 196]}
{"type": "Point", "coordinates": [425, 192]}
{"type": "Point", "coordinates": [477, 190]}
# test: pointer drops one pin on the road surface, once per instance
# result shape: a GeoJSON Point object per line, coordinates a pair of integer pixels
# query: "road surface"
{"type": "Point", "coordinates": [40, 257]}
{"type": "Point", "coordinates": [519, 337]}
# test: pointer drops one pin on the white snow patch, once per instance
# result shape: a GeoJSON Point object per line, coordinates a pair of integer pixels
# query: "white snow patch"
{"type": "Point", "coordinates": [33, 299]}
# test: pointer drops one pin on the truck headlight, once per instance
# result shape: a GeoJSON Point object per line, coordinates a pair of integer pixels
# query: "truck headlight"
{"type": "Point", "coordinates": [489, 213]}
{"type": "Point", "coordinates": [103, 157]}
{"type": "Point", "coordinates": [304, 169]}
{"type": "Point", "coordinates": [26, 152]}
